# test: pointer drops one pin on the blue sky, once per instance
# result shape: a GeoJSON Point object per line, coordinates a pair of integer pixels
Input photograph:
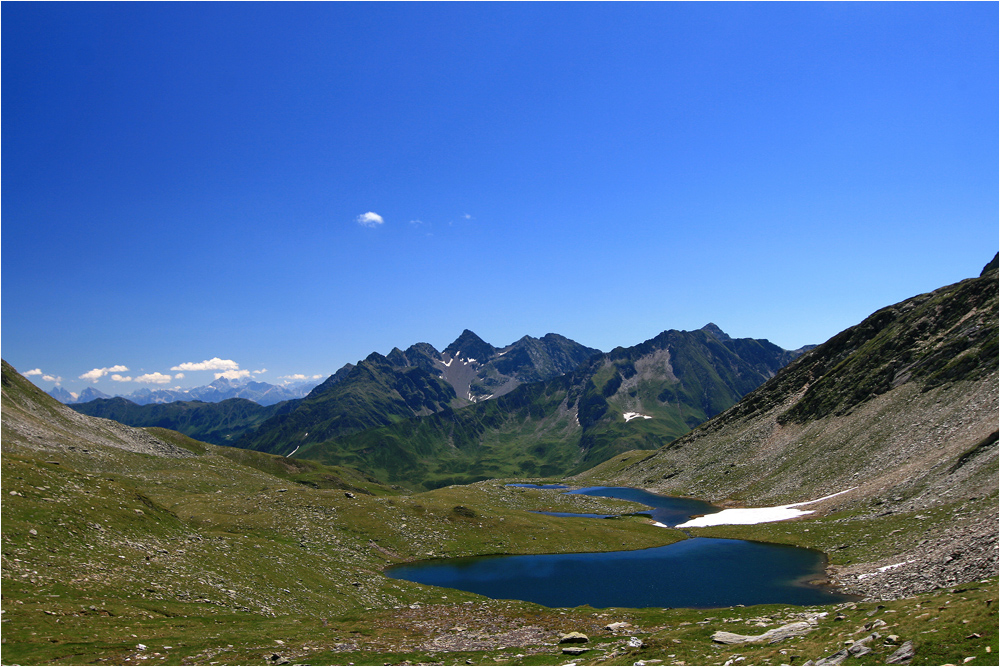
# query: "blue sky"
{"type": "Point", "coordinates": [186, 182]}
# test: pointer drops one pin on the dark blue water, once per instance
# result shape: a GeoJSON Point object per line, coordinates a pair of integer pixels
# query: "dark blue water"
{"type": "Point", "coordinates": [666, 510]}
{"type": "Point", "coordinates": [698, 572]}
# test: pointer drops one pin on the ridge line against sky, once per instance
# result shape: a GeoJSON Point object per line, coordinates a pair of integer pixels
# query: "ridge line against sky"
{"type": "Point", "coordinates": [281, 189]}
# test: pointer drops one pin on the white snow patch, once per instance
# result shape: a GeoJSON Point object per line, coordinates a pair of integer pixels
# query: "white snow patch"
{"type": "Point", "coordinates": [885, 568]}
{"type": "Point", "coordinates": [629, 416]}
{"type": "Point", "coordinates": [752, 515]}
{"type": "Point", "coordinates": [470, 360]}
{"type": "Point", "coordinates": [447, 363]}
{"type": "Point", "coordinates": [293, 451]}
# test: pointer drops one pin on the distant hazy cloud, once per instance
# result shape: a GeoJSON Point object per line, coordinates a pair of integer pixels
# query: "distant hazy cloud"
{"type": "Point", "coordinates": [296, 376]}
{"type": "Point", "coordinates": [370, 219]}
{"type": "Point", "coordinates": [232, 375]}
{"type": "Point", "coordinates": [98, 373]}
{"type": "Point", "coordinates": [153, 378]}
{"type": "Point", "coordinates": [121, 378]}
{"type": "Point", "coordinates": [317, 376]}
{"type": "Point", "coordinates": [213, 364]}
{"type": "Point", "coordinates": [52, 378]}
{"type": "Point", "coordinates": [260, 372]}
{"type": "Point", "coordinates": [34, 371]}
{"type": "Point", "coordinates": [178, 376]}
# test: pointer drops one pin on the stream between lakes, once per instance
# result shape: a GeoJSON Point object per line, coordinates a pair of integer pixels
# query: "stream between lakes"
{"type": "Point", "coordinates": [697, 572]}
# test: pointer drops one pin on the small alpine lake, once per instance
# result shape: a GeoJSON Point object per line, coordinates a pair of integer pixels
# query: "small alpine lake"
{"type": "Point", "coordinates": [696, 572]}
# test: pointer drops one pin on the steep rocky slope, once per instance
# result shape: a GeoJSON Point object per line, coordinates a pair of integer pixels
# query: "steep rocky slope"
{"type": "Point", "coordinates": [899, 413]}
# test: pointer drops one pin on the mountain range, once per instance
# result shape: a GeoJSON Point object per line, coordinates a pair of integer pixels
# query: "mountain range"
{"type": "Point", "coordinates": [422, 419]}
{"type": "Point", "coordinates": [221, 389]}
{"type": "Point", "coordinates": [374, 392]}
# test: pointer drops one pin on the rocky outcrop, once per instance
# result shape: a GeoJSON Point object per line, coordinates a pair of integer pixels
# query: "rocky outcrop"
{"type": "Point", "coordinates": [772, 636]}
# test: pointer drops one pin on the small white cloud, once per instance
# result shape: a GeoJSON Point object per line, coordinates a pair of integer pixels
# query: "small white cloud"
{"type": "Point", "coordinates": [97, 373]}
{"type": "Point", "coordinates": [121, 378]}
{"type": "Point", "coordinates": [153, 378]}
{"type": "Point", "coordinates": [232, 375]}
{"type": "Point", "coordinates": [416, 222]}
{"type": "Point", "coordinates": [260, 372]}
{"type": "Point", "coordinates": [317, 376]}
{"type": "Point", "coordinates": [370, 219]}
{"type": "Point", "coordinates": [213, 364]}
{"type": "Point", "coordinates": [94, 375]}
{"type": "Point", "coordinates": [467, 216]}
{"type": "Point", "coordinates": [178, 376]}
{"type": "Point", "coordinates": [33, 371]}
{"type": "Point", "coordinates": [52, 378]}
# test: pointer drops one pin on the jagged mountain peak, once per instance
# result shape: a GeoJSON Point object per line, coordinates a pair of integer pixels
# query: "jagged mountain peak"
{"type": "Point", "coordinates": [713, 330]}
{"type": "Point", "coordinates": [470, 346]}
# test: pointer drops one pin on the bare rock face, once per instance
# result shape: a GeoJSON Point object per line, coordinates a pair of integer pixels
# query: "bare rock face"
{"type": "Point", "coordinates": [903, 655]}
{"type": "Point", "coordinates": [574, 638]}
{"type": "Point", "coordinates": [772, 636]}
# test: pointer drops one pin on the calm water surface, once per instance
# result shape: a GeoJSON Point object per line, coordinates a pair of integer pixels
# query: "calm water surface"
{"type": "Point", "coordinates": [697, 572]}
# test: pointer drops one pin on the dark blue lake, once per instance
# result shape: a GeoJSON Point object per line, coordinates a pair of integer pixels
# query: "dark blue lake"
{"type": "Point", "coordinates": [697, 572]}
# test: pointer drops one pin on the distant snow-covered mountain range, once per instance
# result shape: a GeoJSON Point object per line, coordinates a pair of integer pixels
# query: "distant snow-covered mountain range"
{"type": "Point", "coordinates": [258, 392]}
